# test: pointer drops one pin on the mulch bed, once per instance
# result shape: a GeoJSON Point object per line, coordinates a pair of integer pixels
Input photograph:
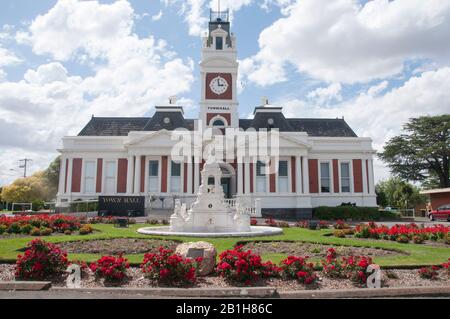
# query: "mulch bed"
{"type": "Point", "coordinates": [314, 250]}
{"type": "Point", "coordinates": [126, 246]}
{"type": "Point", "coordinates": [405, 278]}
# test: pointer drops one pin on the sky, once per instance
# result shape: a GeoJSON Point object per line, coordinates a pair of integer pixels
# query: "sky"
{"type": "Point", "coordinates": [376, 63]}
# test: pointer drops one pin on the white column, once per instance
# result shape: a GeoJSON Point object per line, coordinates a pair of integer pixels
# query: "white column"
{"type": "Point", "coordinates": [364, 175]}
{"type": "Point", "coordinates": [189, 177]}
{"type": "Point", "coordinates": [240, 183]}
{"type": "Point", "coordinates": [62, 175]}
{"type": "Point", "coordinates": [298, 175]}
{"type": "Point", "coordinates": [305, 175]}
{"type": "Point", "coordinates": [130, 174]}
{"type": "Point", "coordinates": [137, 175]}
{"type": "Point", "coordinates": [247, 177]}
{"type": "Point", "coordinates": [371, 178]}
{"type": "Point", "coordinates": [196, 175]}
{"type": "Point", "coordinates": [69, 177]}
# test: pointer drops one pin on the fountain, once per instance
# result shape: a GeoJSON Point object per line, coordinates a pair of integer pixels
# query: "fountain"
{"type": "Point", "coordinates": [210, 215]}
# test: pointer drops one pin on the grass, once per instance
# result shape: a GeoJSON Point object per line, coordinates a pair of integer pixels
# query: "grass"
{"type": "Point", "coordinates": [415, 255]}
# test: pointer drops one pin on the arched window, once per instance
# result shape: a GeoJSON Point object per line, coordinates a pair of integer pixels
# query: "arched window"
{"type": "Point", "coordinates": [218, 122]}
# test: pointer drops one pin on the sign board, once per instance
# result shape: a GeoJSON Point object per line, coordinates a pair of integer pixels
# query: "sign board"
{"type": "Point", "coordinates": [195, 253]}
{"type": "Point", "coordinates": [121, 205]}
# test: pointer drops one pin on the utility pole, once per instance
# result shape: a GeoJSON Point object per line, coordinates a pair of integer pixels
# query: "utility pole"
{"type": "Point", "coordinates": [24, 165]}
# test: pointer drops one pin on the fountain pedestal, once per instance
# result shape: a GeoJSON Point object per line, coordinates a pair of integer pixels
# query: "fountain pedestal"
{"type": "Point", "coordinates": [210, 215]}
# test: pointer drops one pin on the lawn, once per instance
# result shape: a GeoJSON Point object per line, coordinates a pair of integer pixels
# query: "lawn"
{"type": "Point", "coordinates": [415, 254]}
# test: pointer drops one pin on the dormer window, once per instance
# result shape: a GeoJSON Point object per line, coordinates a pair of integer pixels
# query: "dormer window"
{"type": "Point", "coordinates": [219, 43]}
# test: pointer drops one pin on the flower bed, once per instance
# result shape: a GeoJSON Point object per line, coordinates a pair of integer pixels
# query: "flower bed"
{"type": "Point", "coordinates": [237, 266]}
{"type": "Point", "coordinates": [39, 225]}
{"type": "Point", "coordinates": [403, 233]}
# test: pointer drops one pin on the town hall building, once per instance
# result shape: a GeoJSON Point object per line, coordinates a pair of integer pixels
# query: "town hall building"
{"type": "Point", "coordinates": [321, 162]}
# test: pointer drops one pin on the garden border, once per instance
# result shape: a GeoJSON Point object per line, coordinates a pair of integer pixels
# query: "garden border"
{"type": "Point", "coordinates": [244, 292]}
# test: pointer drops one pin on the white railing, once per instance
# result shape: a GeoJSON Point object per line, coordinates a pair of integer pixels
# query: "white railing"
{"type": "Point", "coordinates": [247, 206]}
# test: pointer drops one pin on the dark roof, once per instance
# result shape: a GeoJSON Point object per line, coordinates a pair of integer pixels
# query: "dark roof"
{"type": "Point", "coordinates": [121, 126]}
{"type": "Point", "coordinates": [113, 126]}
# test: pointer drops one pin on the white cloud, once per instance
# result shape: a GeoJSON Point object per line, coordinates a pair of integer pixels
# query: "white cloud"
{"type": "Point", "coordinates": [73, 25]}
{"type": "Point", "coordinates": [3, 75]}
{"type": "Point", "coordinates": [134, 75]}
{"type": "Point", "coordinates": [342, 41]}
{"type": "Point", "coordinates": [8, 58]}
{"type": "Point", "coordinates": [382, 116]}
{"type": "Point", "coordinates": [158, 16]}
{"type": "Point", "coordinates": [196, 12]}
{"type": "Point", "coordinates": [325, 95]}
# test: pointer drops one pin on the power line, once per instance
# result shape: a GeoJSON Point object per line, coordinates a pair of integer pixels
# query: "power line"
{"type": "Point", "coordinates": [24, 165]}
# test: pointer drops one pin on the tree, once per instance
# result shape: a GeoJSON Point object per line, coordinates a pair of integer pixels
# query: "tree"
{"type": "Point", "coordinates": [52, 176]}
{"type": "Point", "coordinates": [41, 186]}
{"type": "Point", "coordinates": [423, 153]}
{"type": "Point", "coordinates": [395, 192]}
{"type": "Point", "coordinates": [28, 189]}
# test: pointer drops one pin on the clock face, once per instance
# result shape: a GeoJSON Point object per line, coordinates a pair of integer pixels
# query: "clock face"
{"type": "Point", "coordinates": [218, 85]}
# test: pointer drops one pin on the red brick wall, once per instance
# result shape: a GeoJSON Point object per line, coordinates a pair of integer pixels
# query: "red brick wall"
{"type": "Point", "coordinates": [164, 174]}
{"type": "Point", "coordinates": [98, 186]}
{"type": "Point", "coordinates": [76, 175]}
{"type": "Point", "coordinates": [294, 175]}
{"type": "Point", "coordinates": [336, 175]}
{"type": "Point", "coordinates": [313, 176]}
{"type": "Point", "coordinates": [357, 176]}
{"type": "Point", "coordinates": [122, 168]}
{"type": "Point", "coordinates": [272, 179]}
{"type": "Point", "coordinates": [210, 95]}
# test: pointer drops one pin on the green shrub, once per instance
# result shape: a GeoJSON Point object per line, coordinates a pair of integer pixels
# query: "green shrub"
{"type": "Point", "coordinates": [26, 229]}
{"type": "Point", "coordinates": [38, 205]}
{"type": "Point", "coordinates": [404, 239]}
{"type": "Point", "coordinates": [346, 212]}
{"type": "Point", "coordinates": [45, 231]}
{"type": "Point", "coordinates": [35, 232]}
{"type": "Point", "coordinates": [14, 228]}
{"type": "Point", "coordinates": [339, 233]}
{"type": "Point", "coordinates": [86, 229]}
{"type": "Point", "coordinates": [3, 229]}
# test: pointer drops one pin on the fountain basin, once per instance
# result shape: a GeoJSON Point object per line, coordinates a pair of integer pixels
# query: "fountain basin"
{"type": "Point", "coordinates": [254, 232]}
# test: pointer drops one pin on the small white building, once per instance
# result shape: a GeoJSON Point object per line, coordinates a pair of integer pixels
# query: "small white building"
{"type": "Point", "coordinates": [322, 162]}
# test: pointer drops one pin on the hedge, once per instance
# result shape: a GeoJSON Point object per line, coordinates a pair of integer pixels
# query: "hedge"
{"type": "Point", "coordinates": [351, 212]}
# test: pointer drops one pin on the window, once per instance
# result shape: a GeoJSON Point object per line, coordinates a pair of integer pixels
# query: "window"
{"type": "Point", "coordinates": [219, 43]}
{"type": "Point", "coordinates": [175, 177]}
{"type": "Point", "coordinates": [89, 177]}
{"type": "Point", "coordinates": [283, 180]}
{"type": "Point", "coordinates": [153, 178]}
{"type": "Point", "coordinates": [345, 177]}
{"type": "Point", "coordinates": [324, 177]}
{"type": "Point", "coordinates": [110, 177]}
{"type": "Point", "coordinates": [218, 123]}
{"type": "Point", "coordinates": [260, 177]}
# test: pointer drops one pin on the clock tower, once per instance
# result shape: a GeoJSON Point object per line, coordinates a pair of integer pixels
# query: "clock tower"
{"type": "Point", "coordinates": [218, 73]}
